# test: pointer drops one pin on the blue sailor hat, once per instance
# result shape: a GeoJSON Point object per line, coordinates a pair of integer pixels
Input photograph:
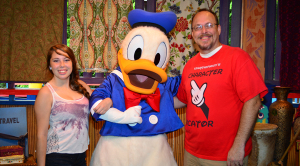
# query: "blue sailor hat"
{"type": "Point", "coordinates": [165, 21]}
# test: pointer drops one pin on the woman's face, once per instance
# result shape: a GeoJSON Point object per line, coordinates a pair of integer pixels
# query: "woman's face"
{"type": "Point", "coordinates": [61, 65]}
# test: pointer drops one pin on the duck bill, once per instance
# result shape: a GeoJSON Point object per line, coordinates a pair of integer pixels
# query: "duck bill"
{"type": "Point", "coordinates": [141, 76]}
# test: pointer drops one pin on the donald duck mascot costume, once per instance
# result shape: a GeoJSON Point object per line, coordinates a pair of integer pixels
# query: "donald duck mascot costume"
{"type": "Point", "coordinates": [134, 132]}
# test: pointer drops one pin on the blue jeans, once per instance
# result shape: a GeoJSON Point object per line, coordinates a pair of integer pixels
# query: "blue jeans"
{"type": "Point", "coordinates": [63, 159]}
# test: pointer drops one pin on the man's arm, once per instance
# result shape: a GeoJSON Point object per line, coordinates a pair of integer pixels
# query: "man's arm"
{"type": "Point", "coordinates": [103, 106]}
{"type": "Point", "coordinates": [178, 103]}
{"type": "Point", "coordinates": [247, 123]}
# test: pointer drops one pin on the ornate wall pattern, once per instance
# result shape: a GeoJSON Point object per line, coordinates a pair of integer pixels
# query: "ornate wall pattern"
{"type": "Point", "coordinates": [97, 29]}
{"type": "Point", "coordinates": [27, 30]}
{"type": "Point", "coordinates": [254, 32]}
{"type": "Point", "coordinates": [181, 44]}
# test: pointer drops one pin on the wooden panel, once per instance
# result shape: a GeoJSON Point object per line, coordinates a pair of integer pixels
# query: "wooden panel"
{"type": "Point", "coordinates": [139, 4]}
{"type": "Point", "coordinates": [270, 40]}
{"type": "Point", "coordinates": [292, 152]}
{"type": "Point", "coordinates": [151, 6]}
{"type": "Point", "coordinates": [236, 23]}
{"type": "Point", "coordinates": [224, 21]}
{"type": "Point", "coordinates": [175, 139]}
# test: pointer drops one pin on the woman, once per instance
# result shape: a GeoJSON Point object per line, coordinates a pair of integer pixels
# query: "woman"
{"type": "Point", "coordinates": [62, 112]}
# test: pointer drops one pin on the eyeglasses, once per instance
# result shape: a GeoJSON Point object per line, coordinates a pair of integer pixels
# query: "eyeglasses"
{"type": "Point", "coordinates": [207, 26]}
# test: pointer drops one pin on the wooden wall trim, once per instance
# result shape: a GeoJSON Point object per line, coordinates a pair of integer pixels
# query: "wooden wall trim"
{"type": "Point", "coordinates": [270, 40]}
{"type": "Point", "coordinates": [236, 23]}
{"type": "Point", "coordinates": [224, 21]}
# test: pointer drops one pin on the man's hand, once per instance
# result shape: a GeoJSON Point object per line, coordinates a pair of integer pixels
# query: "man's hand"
{"type": "Point", "coordinates": [236, 156]}
{"type": "Point", "coordinates": [197, 94]}
{"type": "Point", "coordinates": [248, 117]}
{"type": "Point", "coordinates": [103, 106]}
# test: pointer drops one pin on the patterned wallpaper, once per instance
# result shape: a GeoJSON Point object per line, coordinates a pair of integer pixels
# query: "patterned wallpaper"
{"type": "Point", "coordinates": [97, 28]}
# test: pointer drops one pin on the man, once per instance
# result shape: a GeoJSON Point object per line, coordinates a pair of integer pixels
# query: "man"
{"type": "Point", "coordinates": [222, 88]}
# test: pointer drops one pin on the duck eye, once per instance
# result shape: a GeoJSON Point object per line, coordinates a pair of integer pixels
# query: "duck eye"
{"type": "Point", "coordinates": [137, 53]}
{"type": "Point", "coordinates": [157, 58]}
{"type": "Point", "coordinates": [135, 48]}
{"type": "Point", "coordinates": [161, 55]}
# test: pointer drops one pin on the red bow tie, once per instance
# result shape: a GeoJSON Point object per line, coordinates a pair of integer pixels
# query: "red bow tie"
{"type": "Point", "coordinates": [134, 99]}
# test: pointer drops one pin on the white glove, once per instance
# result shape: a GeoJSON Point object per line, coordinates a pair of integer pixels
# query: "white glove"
{"type": "Point", "coordinates": [131, 116]}
{"type": "Point", "coordinates": [197, 94]}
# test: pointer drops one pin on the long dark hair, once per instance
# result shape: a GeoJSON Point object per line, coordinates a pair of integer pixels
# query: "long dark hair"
{"type": "Point", "coordinates": [74, 76]}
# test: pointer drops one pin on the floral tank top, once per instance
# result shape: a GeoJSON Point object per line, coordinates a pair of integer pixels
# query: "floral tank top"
{"type": "Point", "coordinates": [68, 132]}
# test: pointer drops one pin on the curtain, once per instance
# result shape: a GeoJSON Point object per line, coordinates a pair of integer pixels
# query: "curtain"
{"type": "Point", "coordinates": [28, 28]}
{"type": "Point", "coordinates": [97, 29]}
{"type": "Point", "coordinates": [181, 44]}
{"type": "Point", "coordinates": [289, 24]}
{"type": "Point", "coordinates": [254, 32]}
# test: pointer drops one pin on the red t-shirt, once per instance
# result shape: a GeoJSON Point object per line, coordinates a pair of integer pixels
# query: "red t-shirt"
{"type": "Point", "coordinates": [229, 78]}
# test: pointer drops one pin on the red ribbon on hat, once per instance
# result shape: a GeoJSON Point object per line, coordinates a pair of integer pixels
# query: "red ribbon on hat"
{"type": "Point", "coordinates": [134, 99]}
